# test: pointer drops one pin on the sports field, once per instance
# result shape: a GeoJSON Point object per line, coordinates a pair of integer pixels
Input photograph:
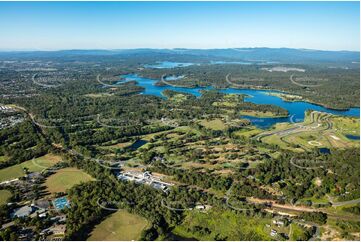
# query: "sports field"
{"type": "Point", "coordinates": [66, 178]}
{"type": "Point", "coordinates": [35, 165]}
{"type": "Point", "coordinates": [121, 225]}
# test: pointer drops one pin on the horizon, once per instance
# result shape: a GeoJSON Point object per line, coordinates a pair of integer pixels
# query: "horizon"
{"type": "Point", "coordinates": [56, 26]}
{"type": "Point", "coordinates": [175, 48]}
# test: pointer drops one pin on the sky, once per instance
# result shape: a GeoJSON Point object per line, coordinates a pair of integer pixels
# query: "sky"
{"type": "Point", "coordinates": [124, 25]}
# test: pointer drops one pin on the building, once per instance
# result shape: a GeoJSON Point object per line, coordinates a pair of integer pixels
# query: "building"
{"type": "Point", "coordinates": [145, 178]}
{"type": "Point", "coordinates": [279, 222]}
{"type": "Point", "coordinates": [42, 204]}
{"type": "Point", "coordinates": [273, 233]}
{"type": "Point", "coordinates": [201, 207]}
{"type": "Point", "coordinates": [24, 211]}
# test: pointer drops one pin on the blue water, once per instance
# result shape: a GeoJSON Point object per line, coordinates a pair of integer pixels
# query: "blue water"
{"type": "Point", "coordinates": [353, 137]}
{"type": "Point", "coordinates": [296, 110]}
{"type": "Point", "coordinates": [137, 144]}
{"type": "Point", "coordinates": [167, 65]}
{"type": "Point", "coordinates": [231, 62]}
{"type": "Point", "coordinates": [323, 150]}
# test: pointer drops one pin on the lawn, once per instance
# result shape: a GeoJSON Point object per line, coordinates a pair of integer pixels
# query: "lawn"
{"type": "Point", "coordinates": [35, 165]}
{"type": "Point", "coordinates": [222, 225]}
{"type": "Point", "coordinates": [66, 178]}
{"type": "Point", "coordinates": [120, 225]}
{"type": "Point", "coordinates": [117, 146]}
{"type": "Point", "coordinates": [4, 196]}
{"type": "Point", "coordinates": [215, 124]}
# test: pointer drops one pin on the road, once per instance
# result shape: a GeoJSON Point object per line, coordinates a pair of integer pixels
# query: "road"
{"type": "Point", "coordinates": [342, 203]}
{"type": "Point", "coordinates": [302, 85]}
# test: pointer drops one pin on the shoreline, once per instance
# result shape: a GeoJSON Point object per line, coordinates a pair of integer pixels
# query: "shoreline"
{"type": "Point", "coordinates": [263, 89]}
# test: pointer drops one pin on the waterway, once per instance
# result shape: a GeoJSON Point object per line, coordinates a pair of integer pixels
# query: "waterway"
{"type": "Point", "coordinates": [296, 110]}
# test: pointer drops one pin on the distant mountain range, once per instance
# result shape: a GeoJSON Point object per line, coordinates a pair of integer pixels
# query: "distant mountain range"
{"type": "Point", "coordinates": [282, 55]}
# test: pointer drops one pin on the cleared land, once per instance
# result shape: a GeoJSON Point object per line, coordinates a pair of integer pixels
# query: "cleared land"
{"type": "Point", "coordinates": [66, 178]}
{"type": "Point", "coordinates": [35, 165]}
{"type": "Point", "coordinates": [222, 225]}
{"type": "Point", "coordinates": [121, 225]}
{"type": "Point", "coordinates": [260, 114]}
{"type": "Point", "coordinates": [318, 130]}
{"type": "Point", "coordinates": [216, 124]}
{"type": "Point", "coordinates": [4, 196]}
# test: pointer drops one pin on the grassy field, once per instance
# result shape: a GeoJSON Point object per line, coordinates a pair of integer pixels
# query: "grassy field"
{"type": "Point", "coordinates": [117, 146]}
{"type": "Point", "coordinates": [222, 225]}
{"type": "Point", "coordinates": [347, 125]}
{"type": "Point", "coordinates": [35, 165]}
{"type": "Point", "coordinates": [4, 196]}
{"type": "Point", "coordinates": [248, 132]}
{"type": "Point", "coordinates": [178, 98]}
{"type": "Point", "coordinates": [121, 225]}
{"type": "Point", "coordinates": [297, 232]}
{"type": "Point", "coordinates": [260, 114]}
{"type": "Point", "coordinates": [65, 178]}
{"type": "Point", "coordinates": [215, 124]}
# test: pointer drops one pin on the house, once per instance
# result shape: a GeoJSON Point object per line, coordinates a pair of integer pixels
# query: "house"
{"type": "Point", "coordinates": [201, 207]}
{"type": "Point", "coordinates": [42, 215]}
{"type": "Point", "coordinates": [59, 219]}
{"type": "Point", "coordinates": [24, 211]}
{"type": "Point", "coordinates": [279, 222]}
{"type": "Point", "coordinates": [42, 204]}
{"type": "Point", "coordinates": [273, 233]}
{"type": "Point", "coordinates": [34, 176]}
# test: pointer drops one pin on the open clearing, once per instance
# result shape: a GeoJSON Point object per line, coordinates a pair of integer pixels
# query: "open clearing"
{"type": "Point", "coordinates": [66, 178]}
{"type": "Point", "coordinates": [35, 165]}
{"type": "Point", "coordinates": [215, 124]}
{"type": "Point", "coordinates": [260, 114]}
{"type": "Point", "coordinates": [4, 196]}
{"type": "Point", "coordinates": [318, 129]}
{"type": "Point", "coordinates": [120, 225]}
{"type": "Point", "coordinates": [223, 224]}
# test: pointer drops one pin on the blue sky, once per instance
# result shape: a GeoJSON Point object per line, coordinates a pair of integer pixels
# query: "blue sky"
{"type": "Point", "coordinates": [118, 25]}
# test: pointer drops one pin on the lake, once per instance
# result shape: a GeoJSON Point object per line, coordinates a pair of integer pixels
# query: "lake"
{"type": "Point", "coordinates": [296, 110]}
{"type": "Point", "coordinates": [353, 137]}
{"type": "Point", "coordinates": [137, 144]}
{"type": "Point", "coordinates": [167, 65]}
{"type": "Point", "coordinates": [171, 64]}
